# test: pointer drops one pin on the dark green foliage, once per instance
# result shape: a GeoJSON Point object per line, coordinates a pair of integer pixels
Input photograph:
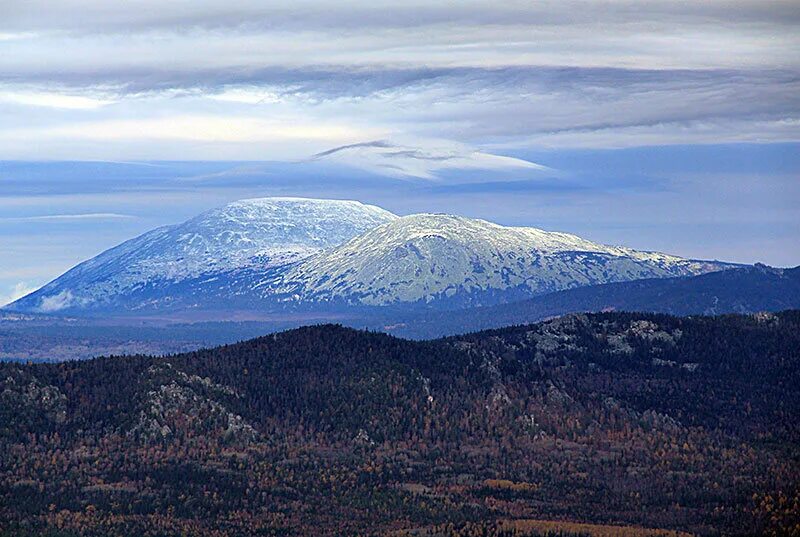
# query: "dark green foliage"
{"type": "Point", "coordinates": [644, 419]}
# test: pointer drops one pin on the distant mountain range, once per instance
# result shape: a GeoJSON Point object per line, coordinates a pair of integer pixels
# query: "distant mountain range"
{"type": "Point", "coordinates": [274, 254]}
{"type": "Point", "coordinates": [41, 337]}
{"type": "Point", "coordinates": [757, 288]}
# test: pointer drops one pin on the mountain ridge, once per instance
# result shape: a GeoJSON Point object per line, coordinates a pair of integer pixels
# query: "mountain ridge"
{"type": "Point", "coordinates": [428, 257]}
{"type": "Point", "coordinates": [278, 253]}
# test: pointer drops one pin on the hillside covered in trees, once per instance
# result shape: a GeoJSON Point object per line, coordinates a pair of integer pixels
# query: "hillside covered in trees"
{"type": "Point", "coordinates": [599, 424]}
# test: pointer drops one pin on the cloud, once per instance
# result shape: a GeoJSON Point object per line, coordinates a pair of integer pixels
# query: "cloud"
{"type": "Point", "coordinates": [9, 36]}
{"type": "Point", "coordinates": [205, 128]}
{"type": "Point", "coordinates": [284, 134]}
{"type": "Point", "coordinates": [52, 100]}
{"type": "Point", "coordinates": [251, 80]}
{"type": "Point", "coordinates": [426, 161]}
{"type": "Point", "coordinates": [16, 291]}
{"type": "Point", "coordinates": [94, 15]}
{"type": "Point", "coordinates": [470, 30]}
{"type": "Point", "coordinates": [57, 302]}
{"type": "Point", "coordinates": [61, 218]}
{"type": "Point", "coordinates": [280, 114]}
{"type": "Point", "coordinates": [712, 131]}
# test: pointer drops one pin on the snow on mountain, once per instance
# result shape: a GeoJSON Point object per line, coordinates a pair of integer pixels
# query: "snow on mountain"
{"type": "Point", "coordinates": [267, 254]}
{"type": "Point", "coordinates": [427, 257]}
{"type": "Point", "coordinates": [431, 161]}
{"type": "Point", "coordinates": [256, 234]}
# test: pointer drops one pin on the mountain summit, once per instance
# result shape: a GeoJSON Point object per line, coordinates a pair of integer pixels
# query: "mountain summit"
{"type": "Point", "coordinates": [269, 253]}
{"type": "Point", "coordinates": [259, 234]}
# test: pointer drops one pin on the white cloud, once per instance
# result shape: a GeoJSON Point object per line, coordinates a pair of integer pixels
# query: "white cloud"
{"type": "Point", "coordinates": [247, 95]}
{"type": "Point", "coordinates": [67, 217]}
{"type": "Point", "coordinates": [53, 303]}
{"type": "Point", "coordinates": [53, 100]}
{"type": "Point", "coordinates": [16, 291]}
{"type": "Point", "coordinates": [425, 161]}
{"type": "Point", "coordinates": [11, 36]}
{"type": "Point", "coordinates": [198, 128]}
{"type": "Point", "coordinates": [313, 111]}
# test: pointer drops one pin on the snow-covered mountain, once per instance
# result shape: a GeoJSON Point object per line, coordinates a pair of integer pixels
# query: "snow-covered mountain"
{"type": "Point", "coordinates": [272, 253]}
{"type": "Point", "coordinates": [258, 234]}
{"type": "Point", "coordinates": [425, 258]}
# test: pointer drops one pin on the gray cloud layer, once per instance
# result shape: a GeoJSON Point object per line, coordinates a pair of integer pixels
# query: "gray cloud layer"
{"type": "Point", "coordinates": [253, 80]}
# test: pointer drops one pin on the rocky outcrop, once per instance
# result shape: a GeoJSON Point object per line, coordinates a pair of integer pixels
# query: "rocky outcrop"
{"type": "Point", "coordinates": [26, 399]}
{"type": "Point", "coordinates": [178, 404]}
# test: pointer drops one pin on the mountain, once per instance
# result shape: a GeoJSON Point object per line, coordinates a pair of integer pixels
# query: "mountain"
{"type": "Point", "coordinates": [277, 254]}
{"type": "Point", "coordinates": [575, 426]}
{"type": "Point", "coordinates": [740, 290]}
{"type": "Point", "coordinates": [455, 261]}
{"type": "Point", "coordinates": [25, 337]}
{"type": "Point", "coordinates": [148, 271]}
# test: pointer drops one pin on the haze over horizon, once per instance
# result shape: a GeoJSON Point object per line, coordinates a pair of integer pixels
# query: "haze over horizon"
{"type": "Point", "coordinates": [664, 126]}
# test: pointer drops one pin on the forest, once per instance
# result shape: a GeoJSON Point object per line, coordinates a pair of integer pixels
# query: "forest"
{"type": "Point", "coordinates": [601, 424]}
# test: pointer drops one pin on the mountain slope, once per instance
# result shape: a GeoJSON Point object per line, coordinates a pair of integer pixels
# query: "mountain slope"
{"type": "Point", "coordinates": [640, 419]}
{"type": "Point", "coordinates": [258, 234]}
{"type": "Point", "coordinates": [455, 260]}
{"type": "Point", "coordinates": [740, 290]}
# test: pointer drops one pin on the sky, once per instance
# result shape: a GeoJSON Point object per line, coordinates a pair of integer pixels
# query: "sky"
{"type": "Point", "coordinates": [663, 125]}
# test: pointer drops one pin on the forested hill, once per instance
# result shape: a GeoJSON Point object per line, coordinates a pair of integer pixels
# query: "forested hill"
{"type": "Point", "coordinates": [642, 420]}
